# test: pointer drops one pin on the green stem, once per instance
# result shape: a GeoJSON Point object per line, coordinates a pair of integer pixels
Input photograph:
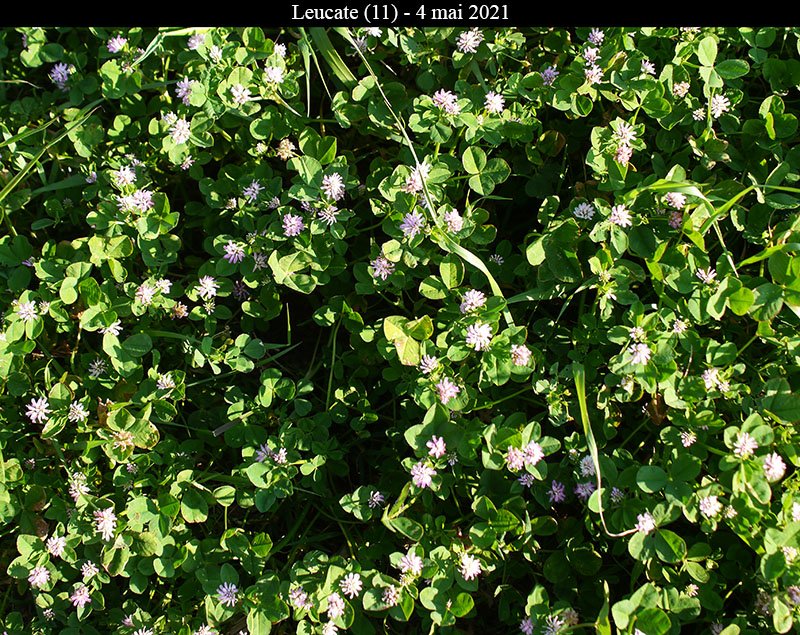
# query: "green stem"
{"type": "Point", "coordinates": [333, 364]}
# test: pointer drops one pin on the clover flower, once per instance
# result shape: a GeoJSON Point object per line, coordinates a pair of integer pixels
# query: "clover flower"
{"type": "Point", "coordinates": [38, 409]}
{"type": "Point", "coordinates": [711, 378]}
{"type": "Point", "coordinates": [583, 211]}
{"type": "Point", "coordinates": [645, 523]}
{"type": "Point", "coordinates": [274, 74]}
{"type": "Point", "coordinates": [285, 149]}
{"type": "Point", "coordinates": [292, 225]}
{"type": "Point", "coordinates": [105, 522]}
{"type": "Point", "coordinates": [116, 44]}
{"type": "Point", "coordinates": [710, 506]}
{"type": "Point", "coordinates": [584, 490]}
{"type": "Point", "coordinates": [80, 597]}
{"type": "Point", "coordinates": [59, 75]}
{"type": "Point", "coordinates": [623, 154]}
{"type": "Point", "coordinates": [215, 53]}
{"type": "Point", "coordinates": [234, 252]}
{"type": "Point", "coordinates": [446, 101]}
{"type": "Point", "coordinates": [206, 287]}
{"type": "Point", "coordinates": [557, 492]}
{"type": "Point", "coordinates": [552, 625]}
{"type": "Point", "coordinates": [280, 49]}
{"type": "Point", "coordinates": [124, 176]}
{"type": "Point", "coordinates": [299, 598]}
{"type": "Point", "coordinates": [165, 382]}
{"type": "Point", "coordinates": [382, 268]}
{"type": "Point", "coordinates": [680, 89]}
{"type": "Point", "coordinates": [526, 479]}
{"type": "Point", "coordinates": [625, 133]}
{"type": "Point", "coordinates": [526, 626]}
{"type": "Point", "coordinates": [494, 103]}
{"type": "Point", "coordinates": [252, 191]}
{"type": "Point", "coordinates": [479, 336]}
{"type": "Point", "coordinates": [675, 219]}
{"type": "Point", "coordinates": [706, 275]}
{"type": "Point", "coordinates": [745, 445]}
{"type": "Point", "coordinates": [335, 606]}
{"type": "Point", "coordinates": [648, 67]}
{"type": "Point", "coordinates": [675, 199]}
{"type": "Point", "coordinates": [620, 216]}
{"type": "Point", "coordinates": [719, 104]}
{"type": "Point", "coordinates": [183, 90]}
{"type": "Point", "coordinates": [520, 354]}
{"type": "Point", "coordinates": [39, 577]}
{"type": "Point", "coordinates": [469, 41]}
{"type": "Point", "coordinates": [454, 221]}
{"type": "Point", "coordinates": [55, 545]}
{"type": "Point", "coordinates": [410, 563]}
{"type": "Point", "coordinates": [329, 628]}
{"type": "Point", "coordinates": [391, 596]}
{"type": "Point", "coordinates": [97, 368]}
{"type": "Point", "coordinates": [89, 569]}
{"type": "Point", "coordinates": [549, 75]}
{"type": "Point", "coordinates": [587, 466]}
{"type": "Point", "coordinates": [436, 447]}
{"type": "Point", "coordinates": [414, 181]}
{"type": "Point", "coordinates": [77, 412]}
{"type": "Point", "coordinates": [596, 37]}
{"type": "Point", "coordinates": [470, 567]}
{"type": "Point", "coordinates": [688, 438]}
{"type": "Point", "coordinates": [774, 467]}
{"type": "Point", "coordinates": [180, 131]}
{"type": "Point", "coordinates": [333, 186]}
{"type": "Point", "coordinates": [473, 299]}
{"type": "Point", "coordinates": [428, 364]}
{"type": "Point", "coordinates": [515, 459]}
{"type": "Point", "coordinates": [227, 594]}
{"type": "Point", "coordinates": [145, 294]}
{"type": "Point", "coordinates": [699, 114]}
{"type": "Point", "coordinates": [196, 41]}
{"type": "Point", "coordinates": [590, 55]}
{"type": "Point", "coordinates": [593, 74]}
{"type": "Point", "coordinates": [375, 500]}
{"type": "Point", "coordinates": [351, 585]}
{"type": "Point", "coordinates": [413, 223]}
{"type": "Point", "coordinates": [640, 352]}
{"type": "Point", "coordinates": [240, 94]}
{"type": "Point", "coordinates": [497, 259]}
{"type": "Point", "coordinates": [27, 311]}
{"type": "Point", "coordinates": [328, 214]}
{"type": "Point", "coordinates": [422, 475]}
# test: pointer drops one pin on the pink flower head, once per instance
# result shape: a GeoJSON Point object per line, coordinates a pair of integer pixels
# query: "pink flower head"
{"type": "Point", "coordinates": [106, 522]}
{"type": "Point", "coordinates": [292, 225]}
{"type": "Point", "coordinates": [80, 597]}
{"type": "Point", "coordinates": [116, 44]}
{"type": "Point", "coordinates": [234, 252]}
{"type": "Point", "coordinates": [422, 475]}
{"type": "Point", "coordinates": [447, 390]}
{"type": "Point", "coordinates": [436, 447]}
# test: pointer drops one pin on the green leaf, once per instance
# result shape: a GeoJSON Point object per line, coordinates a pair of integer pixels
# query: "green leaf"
{"type": "Point", "coordinates": [257, 622]}
{"type": "Point", "coordinates": [651, 478]}
{"type": "Point", "coordinates": [653, 621]}
{"type": "Point", "coordinates": [707, 51]}
{"type": "Point", "coordinates": [137, 345]}
{"type": "Point", "coordinates": [731, 69]}
{"type": "Point", "coordinates": [409, 528]}
{"type": "Point", "coordinates": [451, 269]}
{"type": "Point", "coordinates": [474, 160]}
{"type": "Point", "coordinates": [194, 508]}
{"type": "Point", "coordinates": [669, 546]}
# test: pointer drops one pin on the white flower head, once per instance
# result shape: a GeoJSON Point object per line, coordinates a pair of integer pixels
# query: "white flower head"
{"type": "Point", "coordinates": [479, 336]}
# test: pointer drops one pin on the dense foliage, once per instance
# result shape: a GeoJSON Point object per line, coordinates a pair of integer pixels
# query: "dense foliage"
{"type": "Point", "coordinates": [399, 330]}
